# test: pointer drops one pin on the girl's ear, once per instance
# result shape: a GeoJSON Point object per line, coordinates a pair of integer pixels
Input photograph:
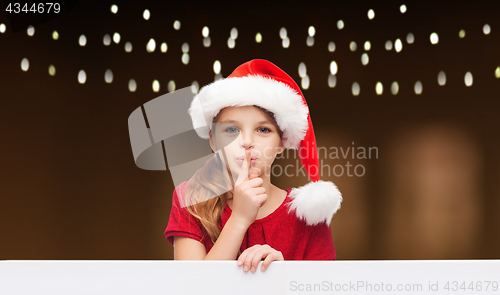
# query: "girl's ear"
{"type": "Point", "coordinates": [281, 148]}
{"type": "Point", "coordinates": [211, 141]}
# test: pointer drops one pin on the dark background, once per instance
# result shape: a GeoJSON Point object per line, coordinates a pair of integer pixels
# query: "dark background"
{"type": "Point", "coordinates": [69, 187]}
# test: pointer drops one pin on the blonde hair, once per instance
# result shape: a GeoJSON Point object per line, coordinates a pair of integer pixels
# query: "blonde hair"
{"type": "Point", "coordinates": [208, 181]}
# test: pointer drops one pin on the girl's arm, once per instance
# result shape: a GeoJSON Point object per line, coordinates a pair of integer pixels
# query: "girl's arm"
{"type": "Point", "coordinates": [225, 248]}
{"type": "Point", "coordinates": [229, 242]}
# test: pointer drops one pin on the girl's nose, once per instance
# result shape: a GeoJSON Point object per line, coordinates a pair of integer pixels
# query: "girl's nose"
{"type": "Point", "coordinates": [247, 141]}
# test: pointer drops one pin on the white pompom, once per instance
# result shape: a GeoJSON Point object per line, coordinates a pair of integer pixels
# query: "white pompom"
{"type": "Point", "coordinates": [316, 202]}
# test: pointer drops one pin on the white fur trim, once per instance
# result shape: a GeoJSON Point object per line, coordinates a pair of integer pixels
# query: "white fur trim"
{"type": "Point", "coordinates": [287, 105]}
{"type": "Point", "coordinates": [316, 202]}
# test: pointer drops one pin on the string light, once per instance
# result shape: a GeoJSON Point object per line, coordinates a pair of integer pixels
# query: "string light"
{"type": "Point", "coordinates": [371, 14]}
{"type": "Point", "coordinates": [418, 88]}
{"type": "Point", "coordinates": [355, 89]}
{"type": "Point", "coordinates": [434, 38]}
{"type": "Point", "coordinates": [177, 25]}
{"type": "Point", "coordinates": [461, 34]}
{"type": "Point", "coordinates": [164, 47]}
{"type": "Point", "coordinates": [305, 82]}
{"type": "Point", "coordinates": [394, 88]}
{"type": "Point", "coordinates": [402, 8]}
{"type": "Point", "coordinates": [52, 70]}
{"type": "Point", "coordinates": [206, 41]}
{"type": "Point", "coordinates": [332, 80]}
{"type": "Point", "coordinates": [388, 45]}
{"type": "Point", "coordinates": [132, 85]}
{"type": "Point", "coordinates": [82, 40]}
{"type": "Point", "coordinates": [367, 46]}
{"type": "Point", "coordinates": [365, 59]}
{"type": "Point", "coordinates": [379, 88]}
{"type": "Point", "coordinates": [441, 78]}
{"type": "Point", "coordinates": [231, 43]}
{"type": "Point", "coordinates": [146, 14]}
{"type": "Point", "coordinates": [185, 58]}
{"type": "Point", "coordinates": [3, 28]}
{"type": "Point", "coordinates": [410, 38]}
{"type": "Point", "coordinates": [398, 45]}
{"type": "Point", "coordinates": [353, 46]}
{"type": "Point", "coordinates": [171, 86]}
{"type": "Point", "coordinates": [310, 41]}
{"type": "Point", "coordinates": [25, 64]}
{"type": "Point", "coordinates": [31, 31]}
{"type": "Point", "coordinates": [331, 46]}
{"type": "Point", "coordinates": [106, 40]}
{"type": "Point", "coordinates": [217, 67]}
{"type": "Point", "coordinates": [333, 68]}
{"type": "Point", "coordinates": [114, 9]}
{"type": "Point", "coordinates": [82, 77]}
{"type": "Point", "coordinates": [116, 38]}
{"type": "Point", "coordinates": [128, 47]}
{"type": "Point", "coordinates": [234, 33]}
{"type": "Point", "coordinates": [340, 24]}
{"type": "Point", "coordinates": [55, 35]}
{"type": "Point", "coordinates": [468, 79]}
{"type": "Point", "coordinates": [156, 86]}
{"type": "Point", "coordinates": [195, 87]}
{"type": "Point", "coordinates": [286, 42]}
{"type": "Point", "coordinates": [258, 37]}
{"type": "Point", "coordinates": [283, 33]}
{"type": "Point", "coordinates": [311, 31]}
{"type": "Point", "coordinates": [205, 31]}
{"type": "Point", "coordinates": [151, 46]}
{"type": "Point", "coordinates": [108, 76]}
{"type": "Point", "coordinates": [302, 70]}
{"type": "Point", "coordinates": [486, 29]}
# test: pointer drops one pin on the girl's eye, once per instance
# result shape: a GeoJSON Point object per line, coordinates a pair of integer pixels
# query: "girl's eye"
{"type": "Point", "coordinates": [264, 130]}
{"type": "Point", "coordinates": [231, 130]}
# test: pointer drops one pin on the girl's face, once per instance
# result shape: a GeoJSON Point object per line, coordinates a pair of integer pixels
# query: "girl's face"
{"type": "Point", "coordinates": [240, 128]}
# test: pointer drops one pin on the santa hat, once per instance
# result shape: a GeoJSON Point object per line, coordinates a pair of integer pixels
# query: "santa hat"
{"type": "Point", "coordinates": [260, 82]}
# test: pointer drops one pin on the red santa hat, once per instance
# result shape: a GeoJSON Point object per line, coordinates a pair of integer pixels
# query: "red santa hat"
{"type": "Point", "coordinates": [260, 82]}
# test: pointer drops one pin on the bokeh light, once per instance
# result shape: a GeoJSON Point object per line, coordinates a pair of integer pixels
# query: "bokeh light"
{"type": "Point", "coordinates": [132, 85]}
{"type": "Point", "coordinates": [486, 29]}
{"type": "Point", "coordinates": [394, 88]}
{"type": "Point", "coordinates": [434, 38]}
{"type": "Point", "coordinates": [355, 89]}
{"type": "Point", "coordinates": [331, 46]}
{"type": "Point", "coordinates": [146, 14]}
{"type": "Point", "coordinates": [258, 37]}
{"type": "Point", "coordinates": [25, 64]}
{"type": "Point", "coordinates": [379, 88]}
{"type": "Point", "coordinates": [441, 78]}
{"type": "Point", "coordinates": [82, 77]}
{"type": "Point", "coordinates": [340, 24]}
{"type": "Point", "coordinates": [365, 59]}
{"type": "Point", "coordinates": [418, 87]}
{"type": "Point", "coordinates": [333, 68]}
{"type": "Point", "coordinates": [468, 79]}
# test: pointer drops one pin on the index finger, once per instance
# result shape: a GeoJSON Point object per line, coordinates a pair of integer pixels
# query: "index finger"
{"type": "Point", "coordinates": [245, 168]}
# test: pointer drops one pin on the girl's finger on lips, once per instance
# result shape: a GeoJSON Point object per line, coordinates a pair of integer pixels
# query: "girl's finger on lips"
{"type": "Point", "coordinates": [245, 167]}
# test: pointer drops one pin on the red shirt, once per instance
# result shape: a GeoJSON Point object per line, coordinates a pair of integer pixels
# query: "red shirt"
{"type": "Point", "coordinates": [281, 230]}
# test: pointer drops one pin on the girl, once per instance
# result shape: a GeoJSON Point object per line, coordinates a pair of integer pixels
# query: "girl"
{"type": "Point", "coordinates": [230, 209]}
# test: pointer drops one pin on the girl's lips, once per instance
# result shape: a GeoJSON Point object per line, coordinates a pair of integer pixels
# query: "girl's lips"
{"type": "Point", "coordinates": [252, 161]}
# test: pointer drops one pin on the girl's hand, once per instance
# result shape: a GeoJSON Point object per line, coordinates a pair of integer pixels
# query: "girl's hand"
{"type": "Point", "coordinates": [249, 195]}
{"type": "Point", "coordinates": [251, 257]}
